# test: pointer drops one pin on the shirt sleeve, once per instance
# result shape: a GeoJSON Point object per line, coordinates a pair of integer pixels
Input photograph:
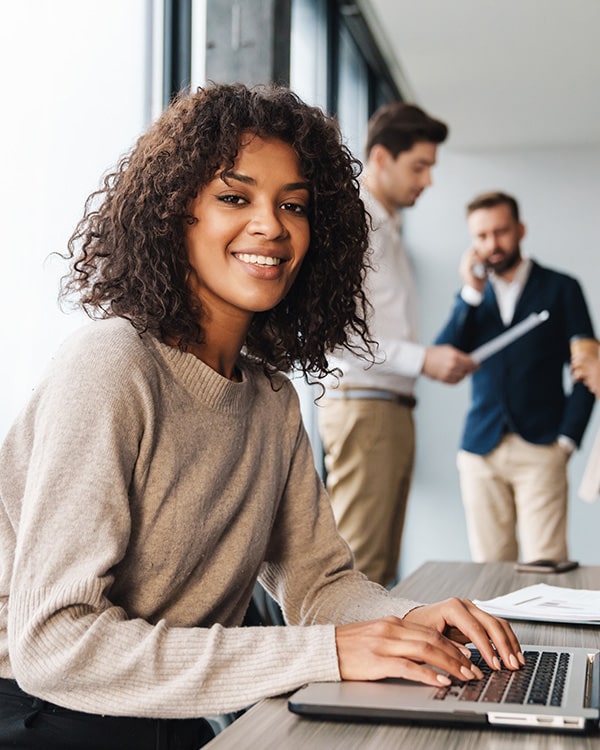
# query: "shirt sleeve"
{"type": "Point", "coordinates": [400, 357]}
{"type": "Point", "coordinates": [471, 296]}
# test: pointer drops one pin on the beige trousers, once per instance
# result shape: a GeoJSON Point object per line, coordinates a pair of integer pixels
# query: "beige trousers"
{"type": "Point", "coordinates": [515, 499]}
{"type": "Point", "coordinates": [370, 450]}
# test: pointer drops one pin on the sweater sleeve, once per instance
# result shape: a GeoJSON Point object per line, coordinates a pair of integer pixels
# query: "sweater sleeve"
{"type": "Point", "coordinates": [309, 567]}
{"type": "Point", "coordinates": [69, 643]}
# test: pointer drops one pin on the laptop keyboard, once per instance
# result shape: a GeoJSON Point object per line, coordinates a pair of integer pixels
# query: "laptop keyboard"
{"type": "Point", "coordinates": [540, 682]}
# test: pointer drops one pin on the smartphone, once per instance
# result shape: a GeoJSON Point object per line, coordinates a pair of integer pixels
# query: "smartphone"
{"type": "Point", "coordinates": [546, 566]}
{"type": "Point", "coordinates": [479, 270]}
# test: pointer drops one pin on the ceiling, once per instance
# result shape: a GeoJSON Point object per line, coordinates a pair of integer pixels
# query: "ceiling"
{"type": "Point", "coordinates": [501, 73]}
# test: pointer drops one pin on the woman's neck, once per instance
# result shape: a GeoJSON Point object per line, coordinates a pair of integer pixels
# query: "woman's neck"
{"type": "Point", "coordinates": [219, 350]}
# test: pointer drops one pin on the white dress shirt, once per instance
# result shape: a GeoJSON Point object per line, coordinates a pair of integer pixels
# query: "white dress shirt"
{"type": "Point", "coordinates": [393, 324]}
{"type": "Point", "coordinates": [507, 292]}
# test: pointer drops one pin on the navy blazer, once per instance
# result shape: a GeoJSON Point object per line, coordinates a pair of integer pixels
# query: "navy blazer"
{"type": "Point", "coordinates": [521, 389]}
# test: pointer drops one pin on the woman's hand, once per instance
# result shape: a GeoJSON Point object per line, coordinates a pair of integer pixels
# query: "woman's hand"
{"type": "Point", "coordinates": [463, 622]}
{"type": "Point", "coordinates": [426, 645]}
{"type": "Point", "coordinates": [587, 369]}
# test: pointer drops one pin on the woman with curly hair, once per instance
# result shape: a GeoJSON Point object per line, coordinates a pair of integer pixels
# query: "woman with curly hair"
{"type": "Point", "coordinates": [161, 467]}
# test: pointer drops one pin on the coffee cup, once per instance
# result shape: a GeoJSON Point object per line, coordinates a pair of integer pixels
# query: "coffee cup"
{"type": "Point", "coordinates": [585, 346]}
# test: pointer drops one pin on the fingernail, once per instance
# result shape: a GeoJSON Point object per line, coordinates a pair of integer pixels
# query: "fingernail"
{"type": "Point", "coordinates": [521, 658]}
{"type": "Point", "coordinates": [467, 673]}
{"type": "Point", "coordinates": [478, 672]}
{"type": "Point", "coordinates": [496, 663]}
{"type": "Point", "coordinates": [443, 679]}
{"type": "Point", "coordinates": [513, 661]}
{"type": "Point", "coordinates": [466, 651]}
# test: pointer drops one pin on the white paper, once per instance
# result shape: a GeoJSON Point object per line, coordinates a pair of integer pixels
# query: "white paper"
{"type": "Point", "coordinates": [504, 339]}
{"type": "Point", "coordinates": [545, 603]}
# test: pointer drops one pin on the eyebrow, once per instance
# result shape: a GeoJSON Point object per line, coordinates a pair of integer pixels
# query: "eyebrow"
{"type": "Point", "coordinates": [246, 180]}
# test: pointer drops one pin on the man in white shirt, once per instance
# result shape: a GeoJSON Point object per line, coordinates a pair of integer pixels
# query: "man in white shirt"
{"type": "Point", "coordinates": [366, 421]}
{"type": "Point", "coordinates": [522, 425]}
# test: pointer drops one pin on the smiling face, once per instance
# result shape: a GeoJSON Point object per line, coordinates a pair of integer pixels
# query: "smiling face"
{"type": "Point", "coordinates": [248, 232]}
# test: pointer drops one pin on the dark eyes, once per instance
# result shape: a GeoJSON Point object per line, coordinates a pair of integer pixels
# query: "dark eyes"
{"type": "Point", "coordinates": [233, 199]}
{"type": "Point", "coordinates": [296, 208]}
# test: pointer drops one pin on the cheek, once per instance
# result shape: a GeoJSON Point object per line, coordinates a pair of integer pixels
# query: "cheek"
{"type": "Point", "coordinates": [301, 241]}
{"type": "Point", "coordinates": [305, 244]}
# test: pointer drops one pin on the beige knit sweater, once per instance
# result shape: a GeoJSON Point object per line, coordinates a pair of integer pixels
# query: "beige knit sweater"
{"type": "Point", "coordinates": [141, 494]}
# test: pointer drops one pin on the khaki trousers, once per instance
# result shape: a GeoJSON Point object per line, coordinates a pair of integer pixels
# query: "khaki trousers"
{"type": "Point", "coordinates": [370, 451]}
{"type": "Point", "coordinates": [515, 498]}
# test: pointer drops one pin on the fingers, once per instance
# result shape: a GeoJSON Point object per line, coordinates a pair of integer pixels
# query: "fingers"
{"type": "Point", "coordinates": [493, 637]}
{"type": "Point", "coordinates": [587, 370]}
{"type": "Point", "coordinates": [465, 622]}
{"type": "Point", "coordinates": [393, 648]}
{"type": "Point", "coordinates": [470, 269]}
{"type": "Point", "coordinates": [448, 364]}
{"type": "Point", "coordinates": [460, 365]}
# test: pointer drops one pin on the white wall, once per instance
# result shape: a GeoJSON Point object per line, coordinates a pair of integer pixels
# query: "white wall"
{"type": "Point", "coordinates": [558, 191]}
{"type": "Point", "coordinates": [76, 80]}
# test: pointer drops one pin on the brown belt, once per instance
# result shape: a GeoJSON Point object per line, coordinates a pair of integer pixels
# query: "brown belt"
{"type": "Point", "coordinates": [372, 393]}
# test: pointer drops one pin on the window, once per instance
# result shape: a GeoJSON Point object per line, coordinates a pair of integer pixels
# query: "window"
{"type": "Point", "coordinates": [77, 91]}
{"type": "Point", "coordinates": [335, 64]}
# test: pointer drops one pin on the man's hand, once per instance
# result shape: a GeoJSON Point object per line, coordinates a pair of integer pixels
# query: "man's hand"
{"type": "Point", "coordinates": [470, 263]}
{"type": "Point", "coordinates": [447, 363]}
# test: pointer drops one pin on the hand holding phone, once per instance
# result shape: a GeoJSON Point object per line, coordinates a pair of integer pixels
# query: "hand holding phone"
{"type": "Point", "coordinates": [473, 270]}
{"type": "Point", "coordinates": [479, 270]}
{"type": "Point", "coordinates": [546, 566]}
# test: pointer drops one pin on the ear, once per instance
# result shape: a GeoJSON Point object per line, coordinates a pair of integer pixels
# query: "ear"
{"type": "Point", "coordinates": [379, 155]}
{"type": "Point", "coordinates": [522, 231]}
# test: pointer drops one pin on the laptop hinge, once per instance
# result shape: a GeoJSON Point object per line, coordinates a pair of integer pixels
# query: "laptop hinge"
{"type": "Point", "coordinates": [592, 682]}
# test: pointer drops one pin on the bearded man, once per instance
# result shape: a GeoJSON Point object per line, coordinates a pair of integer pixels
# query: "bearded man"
{"type": "Point", "coordinates": [525, 420]}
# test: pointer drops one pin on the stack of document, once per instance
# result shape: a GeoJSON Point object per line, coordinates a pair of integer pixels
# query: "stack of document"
{"type": "Point", "coordinates": [546, 604]}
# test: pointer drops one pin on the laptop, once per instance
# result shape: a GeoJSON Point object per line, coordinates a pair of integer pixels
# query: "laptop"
{"type": "Point", "coordinates": [557, 689]}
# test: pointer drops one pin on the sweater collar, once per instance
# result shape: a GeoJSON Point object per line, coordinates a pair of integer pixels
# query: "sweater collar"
{"type": "Point", "coordinates": [203, 382]}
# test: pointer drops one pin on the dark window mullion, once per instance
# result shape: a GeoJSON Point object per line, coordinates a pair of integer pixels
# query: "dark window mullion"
{"type": "Point", "coordinates": [177, 55]}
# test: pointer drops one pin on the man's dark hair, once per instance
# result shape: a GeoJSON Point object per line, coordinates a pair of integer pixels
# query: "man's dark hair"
{"type": "Point", "coordinates": [398, 126]}
{"type": "Point", "coordinates": [492, 199]}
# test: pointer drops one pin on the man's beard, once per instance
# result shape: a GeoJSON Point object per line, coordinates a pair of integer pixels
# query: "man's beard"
{"type": "Point", "coordinates": [508, 261]}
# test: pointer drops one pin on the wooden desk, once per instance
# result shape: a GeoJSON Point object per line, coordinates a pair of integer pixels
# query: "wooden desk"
{"type": "Point", "coordinates": [270, 726]}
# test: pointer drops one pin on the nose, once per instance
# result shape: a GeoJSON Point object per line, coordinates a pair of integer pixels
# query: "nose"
{"type": "Point", "coordinates": [487, 245]}
{"type": "Point", "coordinates": [267, 222]}
{"type": "Point", "coordinates": [426, 180]}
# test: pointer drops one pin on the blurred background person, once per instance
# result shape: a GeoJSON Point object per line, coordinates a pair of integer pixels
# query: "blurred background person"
{"type": "Point", "coordinates": [366, 420]}
{"type": "Point", "coordinates": [522, 426]}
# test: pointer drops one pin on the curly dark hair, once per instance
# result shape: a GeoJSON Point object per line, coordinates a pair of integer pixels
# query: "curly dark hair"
{"type": "Point", "coordinates": [128, 254]}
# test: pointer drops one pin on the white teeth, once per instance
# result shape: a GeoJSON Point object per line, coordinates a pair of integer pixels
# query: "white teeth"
{"type": "Point", "coordinates": [259, 260]}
